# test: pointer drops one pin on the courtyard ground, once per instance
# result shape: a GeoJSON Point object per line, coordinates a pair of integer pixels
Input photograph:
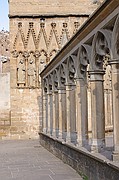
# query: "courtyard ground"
{"type": "Point", "coordinates": [28, 160]}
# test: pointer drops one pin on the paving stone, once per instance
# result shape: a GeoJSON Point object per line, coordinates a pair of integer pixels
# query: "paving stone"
{"type": "Point", "coordinates": [26, 160]}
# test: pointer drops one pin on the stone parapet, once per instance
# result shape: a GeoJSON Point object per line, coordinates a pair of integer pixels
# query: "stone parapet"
{"type": "Point", "coordinates": [90, 166]}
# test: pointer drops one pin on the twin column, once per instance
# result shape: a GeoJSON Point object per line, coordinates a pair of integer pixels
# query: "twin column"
{"type": "Point", "coordinates": [97, 111]}
{"type": "Point", "coordinates": [65, 114]}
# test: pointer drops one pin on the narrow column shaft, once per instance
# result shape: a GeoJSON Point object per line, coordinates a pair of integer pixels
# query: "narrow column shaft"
{"type": "Point", "coordinates": [81, 112]}
{"type": "Point", "coordinates": [71, 114]}
{"type": "Point", "coordinates": [62, 113]}
{"type": "Point", "coordinates": [44, 112]}
{"type": "Point", "coordinates": [55, 113]}
{"type": "Point", "coordinates": [50, 113]}
{"type": "Point", "coordinates": [26, 72]}
{"type": "Point", "coordinates": [115, 101]}
{"type": "Point", "coordinates": [97, 111]}
{"type": "Point", "coordinates": [108, 109]}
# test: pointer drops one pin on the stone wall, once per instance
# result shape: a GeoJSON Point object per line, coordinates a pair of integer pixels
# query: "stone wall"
{"type": "Point", "coordinates": [25, 113]}
{"type": "Point", "coordinates": [38, 30]}
{"type": "Point", "coordinates": [90, 166]}
{"type": "Point", "coordinates": [39, 41]}
{"type": "Point", "coordinates": [5, 120]}
{"type": "Point", "coordinates": [5, 113]}
{"type": "Point", "coordinates": [4, 43]}
{"type": "Point", "coordinates": [51, 7]}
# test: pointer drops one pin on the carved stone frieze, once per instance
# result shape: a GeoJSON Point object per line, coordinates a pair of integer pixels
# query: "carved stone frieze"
{"type": "Point", "coordinates": [71, 69]}
{"type": "Point", "coordinates": [54, 36]}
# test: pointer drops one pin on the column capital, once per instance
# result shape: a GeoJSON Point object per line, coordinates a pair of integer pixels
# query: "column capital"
{"type": "Point", "coordinates": [69, 86]}
{"type": "Point", "coordinates": [49, 93]}
{"type": "Point", "coordinates": [61, 90]}
{"type": "Point", "coordinates": [114, 61]}
{"type": "Point", "coordinates": [80, 82]}
{"type": "Point", "coordinates": [55, 91]}
{"type": "Point", "coordinates": [78, 78]}
{"type": "Point", "coordinates": [96, 75]}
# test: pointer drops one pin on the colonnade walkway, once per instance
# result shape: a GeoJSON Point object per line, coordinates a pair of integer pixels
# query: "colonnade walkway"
{"type": "Point", "coordinates": [28, 160]}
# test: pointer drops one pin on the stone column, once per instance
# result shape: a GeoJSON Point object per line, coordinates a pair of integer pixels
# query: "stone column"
{"type": "Point", "coordinates": [62, 112]}
{"type": "Point", "coordinates": [26, 62]}
{"type": "Point", "coordinates": [108, 109]}
{"type": "Point", "coordinates": [55, 113]}
{"type": "Point", "coordinates": [81, 112]}
{"type": "Point", "coordinates": [71, 113]}
{"type": "Point", "coordinates": [97, 111]}
{"type": "Point", "coordinates": [115, 105]}
{"type": "Point", "coordinates": [44, 112]}
{"type": "Point", "coordinates": [50, 113]}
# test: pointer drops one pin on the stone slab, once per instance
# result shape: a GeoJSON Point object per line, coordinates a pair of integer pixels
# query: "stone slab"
{"type": "Point", "coordinates": [26, 159]}
{"type": "Point", "coordinates": [94, 166]}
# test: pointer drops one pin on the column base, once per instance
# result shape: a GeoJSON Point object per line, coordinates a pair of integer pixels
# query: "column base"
{"type": "Point", "coordinates": [71, 138]}
{"type": "Point", "coordinates": [64, 134]}
{"type": "Point", "coordinates": [97, 145]}
{"type": "Point", "coordinates": [45, 130]}
{"type": "Point", "coordinates": [49, 132]}
{"type": "Point", "coordinates": [115, 156]}
{"type": "Point", "coordinates": [81, 143]}
{"type": "Point", "coordinates": [54, 133]}
{"type": "Point", "coordinates": [60, 136]}
{"type": "Point", "coordinates": [57, 133]}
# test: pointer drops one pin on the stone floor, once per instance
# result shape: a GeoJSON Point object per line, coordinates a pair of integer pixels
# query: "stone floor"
{"type": "Point", "coordinates": [27, 160]}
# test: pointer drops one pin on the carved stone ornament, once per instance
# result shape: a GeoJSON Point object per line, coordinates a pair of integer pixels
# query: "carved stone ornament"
{"type": "Point", "coordinates": [62, 75]}
{"type": "Point", "coordinates": [49, 83]}
{"type": "Point", "coordinates": [83, 61]}
{"type": "Point", "coordinates": [106, 60]}
{"type": "Point", "coordinates": [15, 54]}
{"type": "Point", "coordinates": [37, 54]}
{"type": "Point", "coordinates": [42, 24]}
{"type": "Point", "coordinates": [71, 70]}
{"type": "Point", "coordinates": [21, 71]}
{"type": "Point", "coordinates": [101, 49]}
{"type": "Point", "coordinates": [64, 25]}
{"type": "Point", "coordinates": [45, 85]}
{"type": "Point", "coordinates": [53, 25]}
{"type": "Point", "coordinates": [31, 72]}
{"type": "Point", "coordinates": [55, 80]}
{"type": "Point", "coordinates": [26, 54]}
{"type": "Point", "coordinates": [31, 24]}
{"type": "Point", "coordinates": [19, 24]}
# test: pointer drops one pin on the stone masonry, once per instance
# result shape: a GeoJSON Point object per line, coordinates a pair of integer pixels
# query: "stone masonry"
{"type": "Point", "coordinates": [4, 83]}
{"type": "Point", "coordinates": [38, 30]}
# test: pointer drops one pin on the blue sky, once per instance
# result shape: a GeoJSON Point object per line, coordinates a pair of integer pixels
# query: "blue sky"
{"type": "Point", "coordinates": [4, 10]}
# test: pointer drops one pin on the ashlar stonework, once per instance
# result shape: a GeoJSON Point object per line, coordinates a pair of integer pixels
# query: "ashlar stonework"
{"type": "Point", "coordinates": [38, 30]}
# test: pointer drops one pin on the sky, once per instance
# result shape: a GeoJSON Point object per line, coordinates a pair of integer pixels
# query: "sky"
{"type": "Point", "coordinates": [4, 10]}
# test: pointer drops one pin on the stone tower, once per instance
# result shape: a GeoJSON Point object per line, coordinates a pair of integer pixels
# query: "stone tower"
{"type": "Point", "coordinates": [38, 30]}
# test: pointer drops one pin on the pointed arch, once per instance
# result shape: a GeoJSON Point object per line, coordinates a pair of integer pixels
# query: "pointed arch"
{"type": "Point", "coordinates": [53, 33]}
{"type": "Point", "coordinates": [42, 33]}
{"type": "Point", "coordinates": [101, 46]}
{"type": "Point", "coordinates": [115, 40]}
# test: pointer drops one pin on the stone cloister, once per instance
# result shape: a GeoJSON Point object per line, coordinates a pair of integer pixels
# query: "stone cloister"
{"type": "Point", "coordinates": [80, 86]}
{"type": "Point", "coordinates": [62, 80]}
{"type": "Point", "coordinates": [38, 31]}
